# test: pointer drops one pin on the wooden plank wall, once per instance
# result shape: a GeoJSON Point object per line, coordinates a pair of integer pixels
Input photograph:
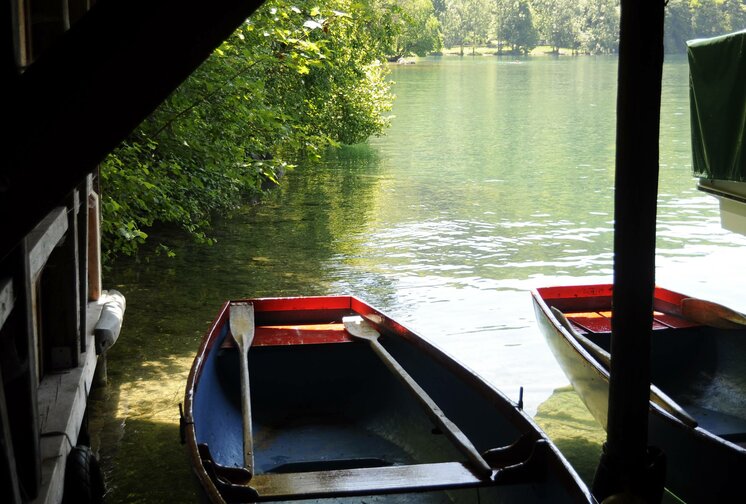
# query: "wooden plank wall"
{"type": "Point", "coordinates": [43, 326]}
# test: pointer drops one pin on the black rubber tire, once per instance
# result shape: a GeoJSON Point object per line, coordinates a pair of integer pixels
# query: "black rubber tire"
{"type": "Point", "coordinates": [84, 483]}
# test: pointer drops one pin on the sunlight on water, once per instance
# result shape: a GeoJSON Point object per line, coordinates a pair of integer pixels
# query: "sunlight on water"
{"type": "Point", "coordinates": [495, 179]}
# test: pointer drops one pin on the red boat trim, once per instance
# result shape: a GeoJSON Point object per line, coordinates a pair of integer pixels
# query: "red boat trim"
{"type": "Point", "coordinates": [587, 307]}
{"type": "Point", "coordinates": [296, 334]}
{"type": "Point", "coordinates": [301, 303]}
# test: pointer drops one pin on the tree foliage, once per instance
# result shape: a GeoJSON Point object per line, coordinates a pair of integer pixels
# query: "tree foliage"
{"type": "Point", "coordinates": [515, 25]}
{"type": "Point", "coordinates": [412, 27]}
{"type": "Point", "coordinates": [691, 19]}
{"type": "Point", "coordinates": [290, 82]}
{"type": "Point", "coordinates": [583, 26]}
{"type": "Point", "coordinates": [467, 22]}
{"type": "Point", "coordinates": [555, 22]}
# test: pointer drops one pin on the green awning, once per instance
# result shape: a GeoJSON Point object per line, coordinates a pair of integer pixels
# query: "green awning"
{"type": "Point", "coordinates": [717, 96]}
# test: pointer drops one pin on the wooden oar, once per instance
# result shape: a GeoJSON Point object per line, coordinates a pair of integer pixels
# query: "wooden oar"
{"type": "Point", "coordinates": [657, 396]}
{"type": "Point", "coordinates": [712, 314]}
{"type": "Point", "coordinates": [361, 329]}
{"type": "Point", "coordinates": [242, 329]}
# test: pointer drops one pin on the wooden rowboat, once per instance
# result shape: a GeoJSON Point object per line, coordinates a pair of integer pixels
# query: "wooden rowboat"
{"type": "Point", "coordinates": [333, 418]}
{"type": "Point", "coordinates": [698, 392]}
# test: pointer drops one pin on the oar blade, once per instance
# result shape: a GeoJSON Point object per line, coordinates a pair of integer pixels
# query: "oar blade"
{"type": "Point", "coordinates": [360, 328]}
{"type": "Point", "coordinates": [241, 319]}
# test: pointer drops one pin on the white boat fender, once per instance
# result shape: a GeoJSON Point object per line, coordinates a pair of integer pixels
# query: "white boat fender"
{"type": "Point", "coordinates": [110, 321]}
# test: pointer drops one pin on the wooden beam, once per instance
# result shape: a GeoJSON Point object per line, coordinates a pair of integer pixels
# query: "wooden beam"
{"type": "Point", "coordinates": [638, 120]}
{"type": "Point", "coordinates": [21, 389]}
{"type": "Point", "coordinates": [83, 96]}
{"type": "Point", "coordinates": [84, 190]}
{"type": "Point", "coordinates": [42, 240]}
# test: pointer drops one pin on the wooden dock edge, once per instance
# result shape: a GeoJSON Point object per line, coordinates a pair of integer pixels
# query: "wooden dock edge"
{"type": "Point", "coordinates": [62, 403]}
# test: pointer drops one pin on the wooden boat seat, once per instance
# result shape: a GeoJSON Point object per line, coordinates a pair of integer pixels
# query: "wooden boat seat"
{"type": "Point", "coordinates": [512, 469]}
{"type": "Point", "coordinates": [364, 481]}
{"type": "Point", "coordinates": [297, 334]}
{"type": "Point", "coordinates": [599, 322]}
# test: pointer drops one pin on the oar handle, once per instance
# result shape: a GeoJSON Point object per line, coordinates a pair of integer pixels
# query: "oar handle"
{"type": "Point", "coordinates": [248, 438]}
{"type": "Point", "coordinates": [449, 428]}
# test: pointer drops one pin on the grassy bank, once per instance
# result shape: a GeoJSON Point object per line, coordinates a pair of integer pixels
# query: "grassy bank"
{"type": "Point", "coordinates": [492, 51]}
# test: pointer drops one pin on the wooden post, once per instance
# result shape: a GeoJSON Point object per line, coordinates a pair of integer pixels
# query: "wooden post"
{"type": "Point", "coordinates": [623, 467]}
{"type": "Point", "coordinates": [21, 390]}
{"type": "Point", "coordinates": [60, 296]}
{"type": "Point", "coordinates": [94, 248]}
{"type": "Point", "coordinates": [83, 237]}
{"type": "Point", "coordinates": [9, 489]}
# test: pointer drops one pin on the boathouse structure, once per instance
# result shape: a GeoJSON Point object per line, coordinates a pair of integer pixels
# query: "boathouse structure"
{"type": "Point", "coordinates": [78, 77]}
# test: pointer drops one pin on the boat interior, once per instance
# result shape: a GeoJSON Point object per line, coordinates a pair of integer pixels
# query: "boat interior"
{"type": "Point", "coordinates": [700, 368]}
{"type": "Point", "coordinates": [331, 421]}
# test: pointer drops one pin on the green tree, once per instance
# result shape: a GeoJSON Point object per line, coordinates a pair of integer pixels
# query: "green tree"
{"type": "Point", "coordinates": [515, 25]}
{"type": "Point", "coordinates": [735, 14]}
{"type": "Point", "coordinates": [598, 26]}
{"type": "Point", "coordinates": [678, 25]}
{"type": "Point", "coordinates": [467, 22]}
{"type": "Point", "coordinates": [292, 81]}
{"type": "Point", "coordinates": [691, 19]}
{"type": "Point", "coordinates": [708, 18]}
{"type": "Point", "coordinates": [414, 28]}
{"type": "Point", "coordinates": [554, 21]}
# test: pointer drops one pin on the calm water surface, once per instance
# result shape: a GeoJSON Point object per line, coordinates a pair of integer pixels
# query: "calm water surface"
{"type": "Point", "coordinates": [496, 177]}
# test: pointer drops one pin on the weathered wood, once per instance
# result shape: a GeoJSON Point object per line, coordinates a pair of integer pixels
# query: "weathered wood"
{"type": "Point", "coordinates": [7, 299]}
{"type": "Point", "coordinates": [62, 404]}
{"type": "Point", "coordinates": [94, 248]}
{"type": "Point", "coordinates": [9, 490]}
{"type": "Point", "coordinates": [82, 256]}
{"type": "Point", "coordinates": [365, 481]}
{"type": "Point", "coordinates": [637, 138]}
{"type": "Point", "coordinates": [42, 240]}
{"type": "Point", "coordinates": [60, 297]}
{"type": "Point", "coordinates": [22, 392]}
{"type": "Point", "coordinates": [83, 96]}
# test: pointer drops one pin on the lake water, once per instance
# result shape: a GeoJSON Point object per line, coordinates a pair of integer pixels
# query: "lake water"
{"type": "Point", "coordinates": [496, 177]}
